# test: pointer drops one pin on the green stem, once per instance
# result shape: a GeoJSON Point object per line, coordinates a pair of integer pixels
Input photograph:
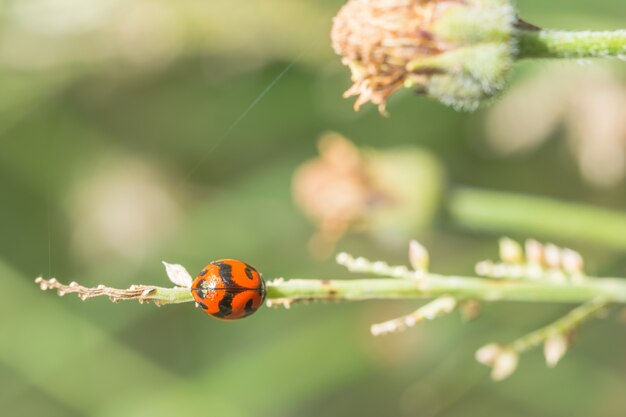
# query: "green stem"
{"type": "Point", "coordinates": [500, 212]}
{"type": "Point", "coordinates": [564, 44]}
{"type": "Point", "coordinates": [460, 287]}
{"type": "Point", "coordinates": [170, 295]}
{"type": "Point", "coordinates": [563, 325]}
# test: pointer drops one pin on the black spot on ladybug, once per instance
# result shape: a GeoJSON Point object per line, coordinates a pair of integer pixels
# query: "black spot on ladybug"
{"type": "Point", "coordinates": [225, 305]}
{"type": "Point", "coordinates": [200, 288]}
{"type": "Point", "coordinates": [249, 272]}
{"type": "Point", "coordinates": [203, 272]}
{"type": "Point", "coordinates": [249, 308]}
{"type": "Point", "coordinates": [202, 305]}
{"type": "Point", "coordinates": [226, 274]}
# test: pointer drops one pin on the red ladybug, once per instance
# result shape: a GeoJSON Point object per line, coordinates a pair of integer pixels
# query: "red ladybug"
{"type": "Point", "coordinates": [229, 289]}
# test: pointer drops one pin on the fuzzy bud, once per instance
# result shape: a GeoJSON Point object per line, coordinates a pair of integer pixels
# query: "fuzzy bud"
{"type": "Point", "coordinates": [488, 353]}
{"type": "Point", "coordinates": [502, 359]}
{"type": "Point", "coordinates": [552, 256]}
{"type": "Point", "coordinates": [511, 252]}
{"type": "Point", "coordinates": [572, 262]}
{"type": "Point", "coordinates": [555, 348]}
{"type": "Point", "coordinates": [504, 365]}
{"type": "Point", "coordinates": [534, 252]}
{"type": "Point", "coordinates": [418, 256]}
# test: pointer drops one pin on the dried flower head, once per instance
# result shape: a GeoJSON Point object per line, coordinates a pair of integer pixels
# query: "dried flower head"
{"type": "Point", "coordinates": [389, 193]}
{"type": "Point", "coordinates": [457, 51]}
{"type": "Point", "coordinates": [335, 190]}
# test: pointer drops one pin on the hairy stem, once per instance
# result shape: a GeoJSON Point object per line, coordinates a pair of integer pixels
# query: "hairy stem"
{"type": "Point", "coordinates": [564, 44]}
{"type": "Point", "coordinates": [500, 212]}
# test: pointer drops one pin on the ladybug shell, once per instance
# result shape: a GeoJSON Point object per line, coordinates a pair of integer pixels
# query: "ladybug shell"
{"type": "Point", "coordinates": [229, 289]}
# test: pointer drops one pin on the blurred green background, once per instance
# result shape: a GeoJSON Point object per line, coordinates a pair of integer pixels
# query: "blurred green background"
{"type": "Point", "coordinates": [118, 151]}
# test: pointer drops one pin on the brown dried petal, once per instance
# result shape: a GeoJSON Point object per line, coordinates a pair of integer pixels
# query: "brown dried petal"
{"type": "Point", "coordinates": [378, 38]}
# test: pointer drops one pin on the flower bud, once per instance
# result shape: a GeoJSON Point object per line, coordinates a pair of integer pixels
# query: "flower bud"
{"type": "Point", "coordinates": [555, 348]}
{"type": "Point", "coordinates": [488, 353]}
{"type": "Point", "coordinates": [504, 365]}
{"type": "Point", "coordinates": [511, 252]}
{"type": "Point", "coordinates": [502, 359]}
{"type": "Point", "coordinates": [534, 252]}
{"type": "Point", "coordinates": [572, 262]}
{"type": "Point", "coordinates": [458, 52]}
{"type": "Point", "coordinates": [552, 256]}
{"type": "Point", "coordinates": [418, 256]}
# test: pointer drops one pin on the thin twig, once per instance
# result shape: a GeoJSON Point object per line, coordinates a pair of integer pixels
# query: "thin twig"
{"type": "Point", "coordinates": [563, 325]}
{"type": "Point", "coordinates": [141, 293]}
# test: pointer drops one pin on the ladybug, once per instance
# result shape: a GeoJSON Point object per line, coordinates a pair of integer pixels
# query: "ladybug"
{"type": "Point", "coordinates": [229, 289]}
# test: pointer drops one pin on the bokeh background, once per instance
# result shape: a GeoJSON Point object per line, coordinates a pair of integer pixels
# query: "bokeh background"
{"type": "Point", "coordinates": [127, 137]}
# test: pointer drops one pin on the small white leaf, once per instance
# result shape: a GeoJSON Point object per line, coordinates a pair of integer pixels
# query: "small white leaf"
{"type": "Point", "coordinates": [178, 275]}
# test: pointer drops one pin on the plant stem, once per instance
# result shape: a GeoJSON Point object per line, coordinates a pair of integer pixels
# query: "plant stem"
{"type": "Point", "coordinates": [536, 216]}
{"type": "Point", "coordinates": [564, 44]}
{"type": "Point", "coordinates": [563, 325]}
{"type": "Point", "coordinates": [426, 286]}
{"type": "Point", "coordinates": [460, 287]}
{"type": "Point", "coordinates": [141, 293]}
